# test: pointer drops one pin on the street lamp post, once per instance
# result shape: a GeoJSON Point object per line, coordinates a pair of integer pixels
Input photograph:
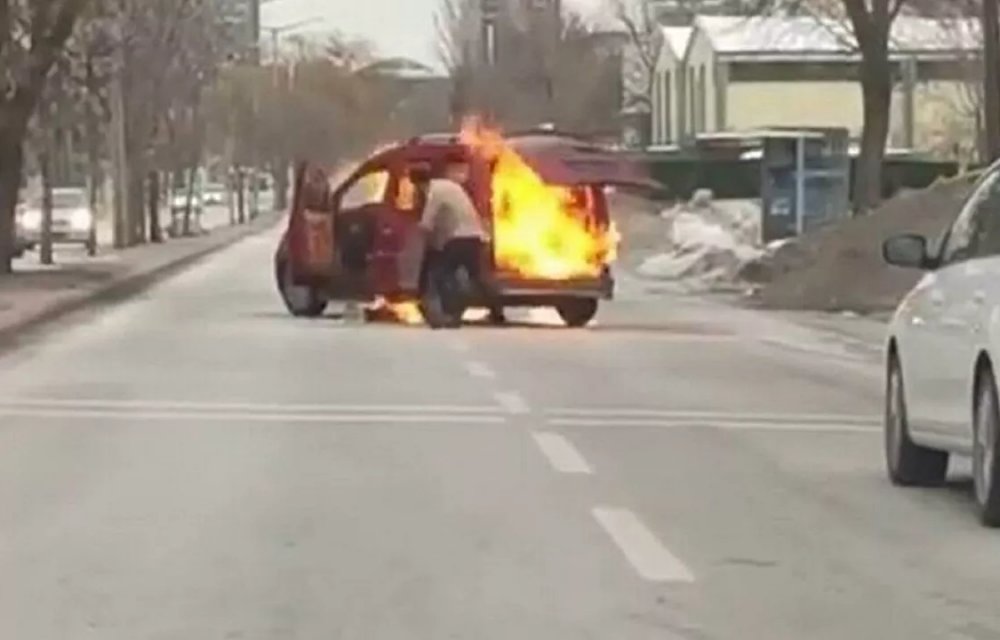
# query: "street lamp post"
{"type": "Point", "coordinates": [490, 10]}
{"type": "Point", "coordinates": [275, 33]}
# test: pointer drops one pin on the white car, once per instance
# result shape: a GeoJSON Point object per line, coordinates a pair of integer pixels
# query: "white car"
{"type": "Point", "coordinates": [73, 220]}
{"type": "Point", "coordinates": [943, 354]}
{"type": "Point", "coordinates": [215, 194]}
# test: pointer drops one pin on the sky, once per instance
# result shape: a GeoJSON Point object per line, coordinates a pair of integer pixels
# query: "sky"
{"type": "Point", "coordinates": [396, 27]}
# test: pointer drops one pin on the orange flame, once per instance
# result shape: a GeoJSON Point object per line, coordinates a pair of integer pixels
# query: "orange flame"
{"type": "Point", "coordinates": [406, 312]}
{"type": "Point", "coordinates": [540, 230]}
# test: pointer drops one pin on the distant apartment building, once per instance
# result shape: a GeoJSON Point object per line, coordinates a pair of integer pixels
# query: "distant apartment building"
{"type": "Point", "coordinates": [734, 73]}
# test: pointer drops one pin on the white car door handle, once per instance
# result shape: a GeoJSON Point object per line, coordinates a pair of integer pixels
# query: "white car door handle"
{"type": "Point", "coordinates": [979, 297]}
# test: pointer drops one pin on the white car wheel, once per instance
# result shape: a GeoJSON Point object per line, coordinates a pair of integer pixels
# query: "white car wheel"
{"type": "Point", "coordinates": [984, 451]}
{"type": "Point", "coordinates": [908, 463]}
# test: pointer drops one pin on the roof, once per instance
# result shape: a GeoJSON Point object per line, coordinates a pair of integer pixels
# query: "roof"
{"type": "Point", "coordinates": [677, 38]}
{"type": "Point", "coordinates": [815, 37]}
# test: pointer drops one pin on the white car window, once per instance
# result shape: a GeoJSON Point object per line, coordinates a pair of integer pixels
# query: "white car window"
{"type": "Point", "coordinates": [977, 228]}
{"type": "Point", "coordinates": [368, 189]}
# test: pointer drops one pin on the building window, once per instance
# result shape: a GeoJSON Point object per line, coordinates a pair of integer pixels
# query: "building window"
{"type": "Point", "coordinates": [692, 103]}
{"type": "Point", "coordinates": [702, 100]}
{"type": "Point", "coordinates": [667, 124]}
{"type": "Point", "coordinates": [654, 109]}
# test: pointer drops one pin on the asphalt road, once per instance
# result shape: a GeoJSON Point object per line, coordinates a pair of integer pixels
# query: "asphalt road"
{"type": "Point", "coordinates": [196, 464]}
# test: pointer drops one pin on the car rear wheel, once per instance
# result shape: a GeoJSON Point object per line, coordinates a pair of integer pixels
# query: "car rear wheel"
{"type": "Point", "coordinates": [577, 312]}
{"type": "Point", "coordinates": [300, 300]}
{"type": "Point", "coordinates": [986, 451]}
{"type": "Point", "coordinates": [908, 463]}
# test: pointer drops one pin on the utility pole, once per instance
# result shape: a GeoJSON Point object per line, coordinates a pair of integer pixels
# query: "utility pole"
{"type": "Point", "coordinates": [280, 164]}
{"type": "Point", "coordinates": [991, 78]}
{"type": "Point", "coordinates": [490, 10]}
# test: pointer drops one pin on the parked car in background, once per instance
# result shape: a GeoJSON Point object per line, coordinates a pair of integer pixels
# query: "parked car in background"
{"type": "Point", "coordinates": [214, 194]}
{"type": "Point", "coordinates": [943, 353]}
{"type": "Point", "coordinates": [73, 220]}
{"type": "Point", "coordinates": [21, 241]}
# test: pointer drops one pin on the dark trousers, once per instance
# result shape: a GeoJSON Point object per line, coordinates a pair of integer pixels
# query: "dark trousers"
{"type": "Point", "coordinates": [448, 264]}
{"type": "Point", "coordinates": [461, 253]}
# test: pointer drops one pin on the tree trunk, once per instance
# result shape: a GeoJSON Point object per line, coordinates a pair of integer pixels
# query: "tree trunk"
{"type": "Point", "coordinates": [189, 197]}
{"type": "Point", "coordinates": [991, 78]}
{"type": "Point", "coordinates": [876, 87]}
{"type": "Point", "coordinates": [240, 197]}
{"type": "Point", "coordinates": [11, 166]}
{"type": "Point", "coordinates": [279, 174]}
{"type": "Point", "coordinates": [153, 196]}
{"type": "Point", "coordinates": [135, 206]}
{"type": "Point", "coordinates": [45, 165]}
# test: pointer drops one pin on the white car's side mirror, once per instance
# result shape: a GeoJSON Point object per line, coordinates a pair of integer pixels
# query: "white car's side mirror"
{"type": "Point", "coordinates": [908, 251]}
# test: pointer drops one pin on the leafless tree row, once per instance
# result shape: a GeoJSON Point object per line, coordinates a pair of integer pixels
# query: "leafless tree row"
{"type": "Point", "coordinates": [548, 69]}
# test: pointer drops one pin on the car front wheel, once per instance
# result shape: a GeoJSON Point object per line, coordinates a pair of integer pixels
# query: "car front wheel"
{"type": "Point", "coordinates": [985, 454]}
{"type": "Point", "coordinates": [301, 301]}
{"type": "Point", "coordinates": [908, 463]}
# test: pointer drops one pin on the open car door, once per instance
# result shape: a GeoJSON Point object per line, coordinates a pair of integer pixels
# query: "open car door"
{"type": "Point", "coordinates": [311, 250]}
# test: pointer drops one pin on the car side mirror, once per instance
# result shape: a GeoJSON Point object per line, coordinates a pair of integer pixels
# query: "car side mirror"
{"type": "Point", "coordinates": [908, 251]}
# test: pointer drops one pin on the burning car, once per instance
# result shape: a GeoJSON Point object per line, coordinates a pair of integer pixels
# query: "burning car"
{"type": "Point", "coordinates": [541, 195]}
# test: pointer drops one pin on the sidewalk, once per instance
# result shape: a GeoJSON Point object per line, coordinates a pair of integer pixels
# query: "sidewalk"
{"type": "Point", "coordinates": [36, 294]}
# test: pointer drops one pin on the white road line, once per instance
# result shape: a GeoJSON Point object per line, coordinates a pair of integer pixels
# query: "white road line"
{"type": "Point", "coordinates": [193, 416]}
{"type": "Point", "coordinates": [267, 407]}
{"type": "Point", "coordinates": [479, 370]}
{"type": "Point", "coordinates": [814, 427]}
{"type": "Point", "coordinates": [647, 555]}
{"type": "Point", "coordinates": [562, 455]}
{"type": "Point", "coordinates": [722, 416]}
{"type": "Point", "coordinates": [512, 402]}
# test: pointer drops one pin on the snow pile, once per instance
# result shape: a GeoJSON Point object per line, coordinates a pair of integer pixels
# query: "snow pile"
{"type": "Point", "coordinates": [707, 243]}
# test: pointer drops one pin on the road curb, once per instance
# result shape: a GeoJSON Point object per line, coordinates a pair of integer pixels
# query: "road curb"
{"type": "Point", "coordinates": [130, 285]}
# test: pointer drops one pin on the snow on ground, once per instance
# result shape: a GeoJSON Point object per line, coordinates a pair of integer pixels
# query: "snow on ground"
{"type": "Point", "coordinates": [706, 244]}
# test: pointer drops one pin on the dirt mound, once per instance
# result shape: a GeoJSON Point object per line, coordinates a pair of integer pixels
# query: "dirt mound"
{"type": "Point", "coordinates": [841, 268]}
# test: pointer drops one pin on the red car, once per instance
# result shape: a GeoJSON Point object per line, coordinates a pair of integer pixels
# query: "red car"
{"type": "Point", "coordinates": [542, 199]}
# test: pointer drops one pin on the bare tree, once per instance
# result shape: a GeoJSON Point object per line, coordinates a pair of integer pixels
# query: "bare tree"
{"type": "Point", "coordinates": [549, 68]}
{"type": "Point", "coordinates": [32, 35]}
{"type": "Point", "coordinates": [646, 42]}
{"type": "Point", "coordinates": [990, 26]}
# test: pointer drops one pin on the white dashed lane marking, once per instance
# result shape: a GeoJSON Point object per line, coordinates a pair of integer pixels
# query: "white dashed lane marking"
{"type": "Point", "coordinates": [512, 402]}
{"type": "Point", "coordinates": [643, 550]}
{"type": "Point", "coordinates": [562, 455]}
{"type": "Point", "coordinates": [480, 370]}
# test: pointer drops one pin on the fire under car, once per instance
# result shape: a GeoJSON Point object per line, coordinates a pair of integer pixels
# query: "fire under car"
{"type": "Point", "coordinates": [542, 199]}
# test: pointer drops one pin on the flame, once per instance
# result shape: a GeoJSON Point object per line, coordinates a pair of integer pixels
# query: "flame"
{"type": "Point", "coordinates": [540, 230]}
{"type": "Point", "coordinates": [405, 312]}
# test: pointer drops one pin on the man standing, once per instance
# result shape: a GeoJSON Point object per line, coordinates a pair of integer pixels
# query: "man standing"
{"type": "Point", "coordinates": [457, 239]}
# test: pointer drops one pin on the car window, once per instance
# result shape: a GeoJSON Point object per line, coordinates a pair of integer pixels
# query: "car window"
{"type": "Point", "coordinates": [976, 231]}
{"type": "Point", "coordinates": [407, 196]}
{"type": "Point", "coordinates": [63, 200]}
{"type": "Point", "coordinates": [367, 189]}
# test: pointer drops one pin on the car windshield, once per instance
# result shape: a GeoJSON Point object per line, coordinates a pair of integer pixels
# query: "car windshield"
{"type": "Point", "coordinates": [64, 199]}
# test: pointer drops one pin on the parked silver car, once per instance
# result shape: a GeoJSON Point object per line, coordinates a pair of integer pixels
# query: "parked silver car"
{"type": "Point", "coordinates": [73, 220]}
